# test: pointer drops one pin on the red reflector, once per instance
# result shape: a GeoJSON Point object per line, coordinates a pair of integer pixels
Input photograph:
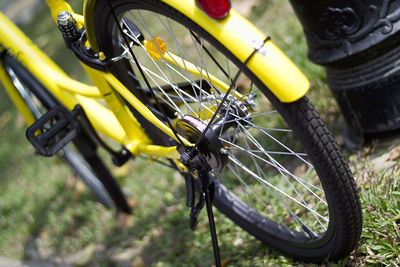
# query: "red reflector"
{"type": "Point", "coordinates": [217, 9]}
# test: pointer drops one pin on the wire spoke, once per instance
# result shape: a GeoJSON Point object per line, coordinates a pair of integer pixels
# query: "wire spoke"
{"type": "Point", "coordinates": [265, 168]}
{"type": "Point", "coordinates": [284, 175]}
{"type": "Point", "coordinates": [272, 164]}
{"type": "Point", "coordinates": [276, 188]}
{"type": "Point", "coordinates": [268, 152]}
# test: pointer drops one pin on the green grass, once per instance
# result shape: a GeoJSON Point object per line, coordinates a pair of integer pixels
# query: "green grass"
{"type": "Point", "coordinates": [42, 214]}
{"type": "Point", "coordinates": [381, 235]}
{"type": "Point", "coordinates": [380, 238]}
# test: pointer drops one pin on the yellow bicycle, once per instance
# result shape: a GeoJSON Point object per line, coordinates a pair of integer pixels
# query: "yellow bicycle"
{"type": "Point", "coordinates": [195, 83]}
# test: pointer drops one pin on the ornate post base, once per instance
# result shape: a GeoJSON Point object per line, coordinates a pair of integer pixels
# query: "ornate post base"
{"type": "Point", "coordinates": [358, 41]}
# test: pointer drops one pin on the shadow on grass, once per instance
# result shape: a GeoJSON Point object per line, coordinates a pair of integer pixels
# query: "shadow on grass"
{"type": "Point", "coordinates": [163, 238]}
{"type": "Point", "coordinates": [53, 205]}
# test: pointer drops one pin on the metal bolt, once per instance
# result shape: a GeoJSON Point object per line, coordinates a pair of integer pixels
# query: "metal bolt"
{"type": "Point", "coordinates": [223, 151]}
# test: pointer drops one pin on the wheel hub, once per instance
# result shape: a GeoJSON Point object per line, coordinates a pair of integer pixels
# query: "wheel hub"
{"type": "Point", "coordinates": [210, 147]}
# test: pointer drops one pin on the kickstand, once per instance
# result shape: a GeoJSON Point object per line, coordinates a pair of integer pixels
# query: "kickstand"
{"type": "Point", "coordinates": [198, 165]}
{"type": "Point", "coordinates": [206, 185]}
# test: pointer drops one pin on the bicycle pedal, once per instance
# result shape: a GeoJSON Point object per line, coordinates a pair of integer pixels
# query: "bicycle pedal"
{"type": "Point", "coordinates": [54, 130]}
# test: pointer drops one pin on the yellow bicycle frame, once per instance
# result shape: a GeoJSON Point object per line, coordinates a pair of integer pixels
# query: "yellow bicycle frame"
{"type": "Point", "coordinates": [117, 122]}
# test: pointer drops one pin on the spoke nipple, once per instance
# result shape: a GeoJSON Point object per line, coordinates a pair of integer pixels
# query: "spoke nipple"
{"type": "Point", "coordinates": [178, 115]}
{"type": "Point", "coordinates": [223, 151]}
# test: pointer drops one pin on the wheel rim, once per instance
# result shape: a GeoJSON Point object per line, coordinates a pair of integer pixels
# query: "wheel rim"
{"type": "Point", "coordinates": [267, 169]}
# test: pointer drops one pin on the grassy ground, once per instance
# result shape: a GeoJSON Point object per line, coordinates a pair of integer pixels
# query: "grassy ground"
{"type": "Point", "coordinates": [46, 214]}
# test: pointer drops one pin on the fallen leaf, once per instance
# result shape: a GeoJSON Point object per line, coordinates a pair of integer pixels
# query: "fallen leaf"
{"type": "Point", "coordinates": [238, 242]}
{"type": "Point", "coordinates": [225, 262]}
{"type": "Point", "coordinates": [138, 262]}
{"type": "Point", "coordinates": [132, 202]}
{"type": "Point", "coordinates": [370, 252]}
{"type": "Point", "coordinates": [124, 220]}
{"type": "Point", "coordinates": [43, 234]}
{"type": "Point", "coordinates": [71, 181]}
{"type": "Point", "coordinates": [288, 220]}
{"type": "Point", "coordinates": [122, 171]}
{"type": "Point", "coordinates": [396, 228]}
{"type": "Point", "coordinates": [79, 188]}
{"type": "Point", "coordinates": [244, 85]}
{"type": "Point", "coordinates": [300, 170]}
{"type": "Point", "coordinates": [4, 119]}
{"type": "Point", "coordinates": [20, 121]}
{"type": "Point", "coordinates": [86, 255]}
{"type": "Point", "coordinates": [394, 153]}
{"type": "Point", "coordinates": [391, 240]}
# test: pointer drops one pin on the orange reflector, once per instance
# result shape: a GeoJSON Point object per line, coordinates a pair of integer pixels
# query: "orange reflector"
{"type": "Point", "coordinates": [156, 48]}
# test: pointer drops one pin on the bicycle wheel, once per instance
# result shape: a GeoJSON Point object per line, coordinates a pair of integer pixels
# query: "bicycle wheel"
{"type": "Point", "coordinates": [39, 101]}
{"type": "Point", "coordinates": [285, 180]}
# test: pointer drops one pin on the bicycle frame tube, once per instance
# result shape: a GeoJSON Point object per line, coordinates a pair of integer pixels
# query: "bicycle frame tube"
{"type": "Point", "coordinates": [15, 96]}
{"type": "Point", "coordinates": [56, 6]}
{"type": "Point", "coordinates": [117, 122]}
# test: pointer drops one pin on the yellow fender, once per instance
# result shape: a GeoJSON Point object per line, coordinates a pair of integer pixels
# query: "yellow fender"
{"type": "Point", "coordinates": [240, 37]}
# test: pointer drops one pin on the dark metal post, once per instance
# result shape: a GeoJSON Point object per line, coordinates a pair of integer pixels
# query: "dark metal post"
{"type": "Point", "coordinates": [358, 41]}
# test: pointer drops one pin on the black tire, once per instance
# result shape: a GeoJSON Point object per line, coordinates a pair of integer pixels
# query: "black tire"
{"type": "Point", "coordinates": [39, 101]}
{"type": "Point", "coordinates": [333, 238]}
